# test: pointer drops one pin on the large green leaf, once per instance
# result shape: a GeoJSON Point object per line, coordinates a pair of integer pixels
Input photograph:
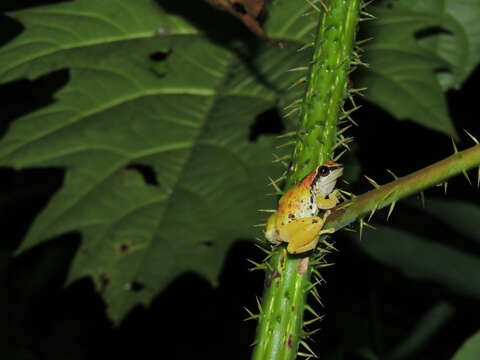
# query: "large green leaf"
{"type": "Point", "coordinates": [401, 77]}
{"type": "Point", "coordinates": [117, 117]}
{"type": "Point", "coordinates": [470, 350]}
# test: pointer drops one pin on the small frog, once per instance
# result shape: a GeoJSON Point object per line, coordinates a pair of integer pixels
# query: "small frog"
{"type": "Point", "coordinates": [296, 221]}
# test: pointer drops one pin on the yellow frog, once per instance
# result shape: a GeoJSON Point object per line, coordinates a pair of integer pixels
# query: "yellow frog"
{"type": "Point", "coordinates": [297, 219]}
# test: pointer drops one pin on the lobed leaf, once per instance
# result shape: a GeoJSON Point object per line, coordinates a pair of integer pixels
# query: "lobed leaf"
{"type": "Point", "coordinates": [117, 122]}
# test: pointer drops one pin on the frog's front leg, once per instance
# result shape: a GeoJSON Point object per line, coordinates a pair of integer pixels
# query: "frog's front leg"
{"type": "Point", "coordinates": [329, 203]}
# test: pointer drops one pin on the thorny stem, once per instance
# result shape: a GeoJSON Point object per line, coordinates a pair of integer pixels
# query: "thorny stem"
{"type": "Point", "coordinates": [287, 284]}
{"type": "Point", "coordinates": [388, 194]}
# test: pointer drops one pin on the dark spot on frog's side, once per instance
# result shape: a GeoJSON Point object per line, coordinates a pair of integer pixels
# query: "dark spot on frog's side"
{"type": "Point", "coordinates": [314, 221]}
{"type": "Point", "coordinates": [291, 216]}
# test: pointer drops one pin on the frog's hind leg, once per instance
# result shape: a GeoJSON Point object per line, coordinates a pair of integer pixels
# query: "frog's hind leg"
{"type": "Point", "coordinates": [302, 234]}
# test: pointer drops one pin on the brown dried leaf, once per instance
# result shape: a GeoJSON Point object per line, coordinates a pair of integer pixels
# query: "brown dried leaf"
{"type": "Point", "coordinates": [247, 11]}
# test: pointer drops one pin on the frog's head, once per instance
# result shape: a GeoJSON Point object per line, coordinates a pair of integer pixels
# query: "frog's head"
{"type": "Point", "coordinates": [326, 176]}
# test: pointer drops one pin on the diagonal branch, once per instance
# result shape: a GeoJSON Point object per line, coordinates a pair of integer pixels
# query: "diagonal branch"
{"type": "Point", "coordinates": [388, 194]}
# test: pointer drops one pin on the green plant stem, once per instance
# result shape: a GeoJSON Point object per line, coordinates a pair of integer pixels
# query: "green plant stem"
{"type": "Point", "coordinates": [388, 194]}
{"type": "Point", "coordinates": [279, 331]}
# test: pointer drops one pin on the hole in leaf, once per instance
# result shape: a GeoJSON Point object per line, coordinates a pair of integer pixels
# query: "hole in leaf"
{"type": "Point", "coordinates": [137, 286]}
{"type": "Point", "coordinates": [267, 123]}
{"type": "Point", "coordinates": [160, 66]}
{"type": "Point", "coordinates": [434, 30]}
{"type": "Point", "coordinates": [124, 248]}
{"type": "Point", "coordinates": [160, 55]}
{"type": "Point", "coordinates": [147, 172]}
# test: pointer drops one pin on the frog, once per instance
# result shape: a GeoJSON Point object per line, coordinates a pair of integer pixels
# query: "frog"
{"type": "Point", "coordinates": [303, 210]}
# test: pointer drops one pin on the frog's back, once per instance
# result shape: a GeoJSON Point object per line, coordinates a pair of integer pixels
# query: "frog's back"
{"type": "Point", "coordinates": [295, 204]}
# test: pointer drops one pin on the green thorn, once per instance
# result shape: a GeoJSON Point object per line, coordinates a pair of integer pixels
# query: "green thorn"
{"type": "Point", "coordinates": [300, 68]}
{"type": "Point", "coordinates": [310, 309]}
{"type": "Point", "coordinates": [361, 227]}
{"type": "Point", "coordinates": [286, 144]}
{"type": "Point", "coordinates": [336, 158]}
{"type": "Point", "coordinates": [371, 181]}
{"type": "Point", "coordinates": [308, 334]}
{"type": "Point", "coordinates": [422, 199]}
{"type": "Point", "coordinates": [291, 112]}
{"type": "Point", "coordinates": [329, 245]}
{"type": "Point", "coordinates": [251, 316]}
{"type": "Point", "coordinates": [357, 91]}
{"type": "Point", "coordinates": [257, 266]}
{"type": "Point", "coordinates": [288, 134]}
{"type": "Point", "coordinates": [305, 345]}
{"type": "Point", "coordinates": [316, 296]}
{"type": "Point", "coordinates": [475, 140]}
{"type": "Point", "coordinates": [312, 4]}
{"type": "Point", "coordinates": [464, 172]}
{"type": "Point", "coordinates": [305, 355]}
{"type": "Point", "coordinates": [390, 210]}
{"type": "Point", "coordinates": [455, 150]}
{"type": "Point", "coordinates": [325, 7]}
{"type": "Point", "coordinates": [372, 212]}
{"type": "Point", "coordinates": [312, 321]}
{"type": "Point", "coordinates": [344, 129]}
{"type": "Point", "coordinates": [391, 173]}
{"type": "Point", "coordinates": [363, 41]}
{"type": "Point", "coordinates": [298, 82]}
{"type": "Point", "coordinates": [306, 46]}
{"type": "Point", "coordinates": [259, 304]}
{"type": "Point", "coordinates": [274, 184]}
{"type": "Point", "coordinates": [266, 251]}
{"type": "Point", "coordinates": [294, 104]}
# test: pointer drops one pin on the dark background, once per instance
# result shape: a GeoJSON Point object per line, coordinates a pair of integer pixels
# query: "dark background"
{"type": "Point", "coordinates": [366, 304]}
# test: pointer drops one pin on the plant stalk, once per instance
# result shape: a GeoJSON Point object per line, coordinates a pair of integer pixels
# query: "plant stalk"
{"type": "Point", "coordinates": [280, 329]}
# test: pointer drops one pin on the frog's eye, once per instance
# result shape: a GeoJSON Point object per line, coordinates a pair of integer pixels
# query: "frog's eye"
{"type": "Point", "coordinates": [324, 170]}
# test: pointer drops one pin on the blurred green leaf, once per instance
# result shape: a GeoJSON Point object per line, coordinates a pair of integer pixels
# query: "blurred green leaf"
{"type": "Point", "coordinates": [13, 353]}
{"type": "Point", "coordinates": [460, 216]}
{"type": "Point", "coordinates": [427, 326]}
{"type": "Point", "coordinates": [470, 350]}
{"type": "Point", "coordinates": [425, 260]}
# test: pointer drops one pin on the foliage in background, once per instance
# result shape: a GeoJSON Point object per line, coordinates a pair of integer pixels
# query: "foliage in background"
{"type": "Point", "coordinates": [161, 177]}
